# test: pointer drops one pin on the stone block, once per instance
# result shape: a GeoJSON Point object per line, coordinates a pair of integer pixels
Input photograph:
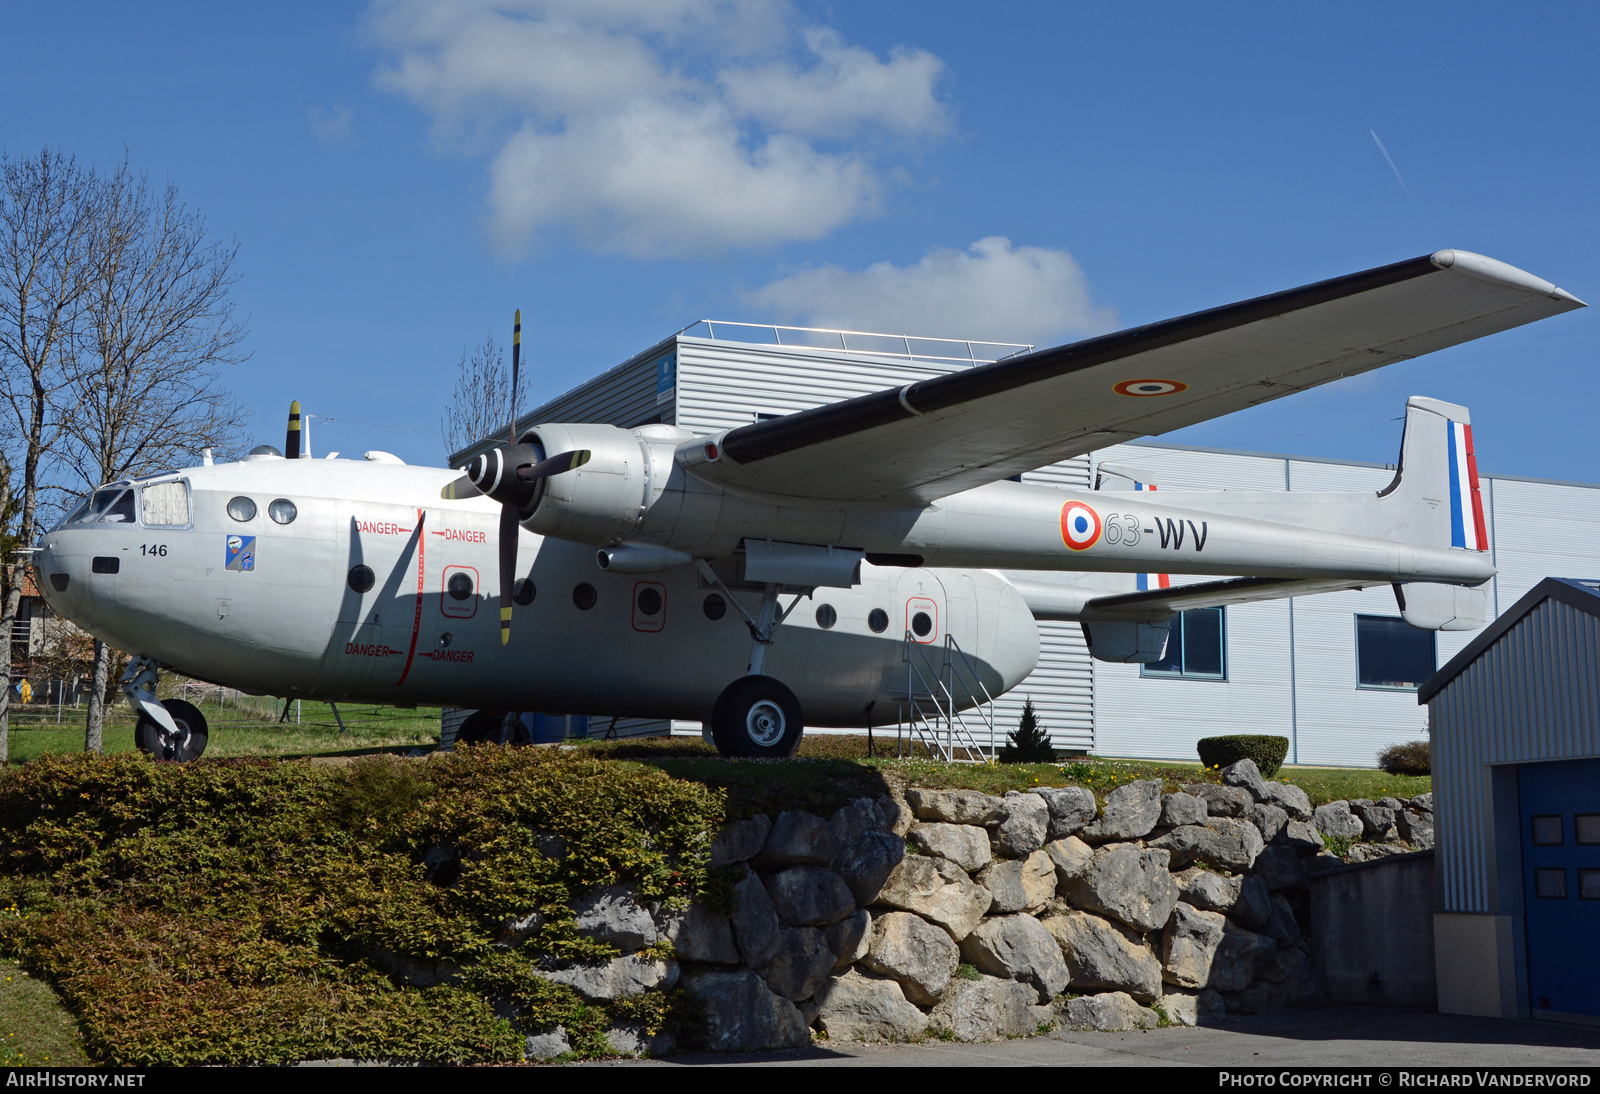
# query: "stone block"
{"type": "Point", "coordinates": [1130, 812]}
{"type": "Point", "coordinates": [914, 952]}
{"type": "Point", "coordinates": [1103, 955]}
{"type": "Point", "coordinates": [546, 1045]}
{"type": "Point", "coordinates": [1022, 828]}
{"type": "Point", "coordinates": [966, 845]}
{"type": "Point", "coordinates": [622, 976]}
{"type": "Point", "coordinates": [1377, 821]}
{"type": "Point", "coordinates": [1128, 883]}
{"type": "Point", "coordinates": [1109, 1012]}
{"type": "Point", "coordinates": [1291, 799]}
{"type": "Point", "coordinates": [954, 806]}
{"type": "Point", "coordinates": [866, 862]}
{"type": "Point", "coordinates": [1221, 801]}
{"type": "Point", "coordinates": [1189, 945]}
{"type": "Point", "coordinates": [1182, 808]}
{"type": "Point", "coordinates": [1222, 842]}
{"type": "Point", "coordinates": [698, 934]}
{"type": "Point", "coordinates": [612, 915]}
{"type": "Point", "coordinates": [1070, 856]}
{"type": "Point", "coordinates": [1018, 947]}
{"type": "Point", "coordinates": [1268, 819]}
{"type": "Point", "coordinates": [1415, 828]}
{"type": "Point", "coordinates": [1302, 836]}
{"type": "Point", "coordinates": [1247, 777]}
{"type": "Point", "coordinates": [809, 896]}
{"type": "Point", "coordinates": [1208, 891]}
{"type": "Point", "coordinates": [1254, 906]}
{"type": "Point", "coordinates": [740, 842]}
{"type": "Point", "coordinates": [800, 964]}
{"type": "Point", "coordinates": [856, 1007]}
{"type": "Point", "coordinates": [1020, 885]}
{"type": "Point", "coordinates": [1242, 952]}
{"type": "Point", "coordinates": [755, 921]}
{"type": "Point", "coordinates": [897, 815]}
{"type": "Point", "coordinates": [861, 815]}
{"type": "Point", "coordinates": [796, 839]}
{"type": "Point", "coordinates": [1335, 819]}
{"type": "Point", "coordinates": [1193, 1008]}
{"type": "Point", "coordinates": [1071, 807]}
{"type": "Point", "coordinates": [987, 1009]}
{"type": "Point", "coordinates": [850, 938]}
{"type": "Point", "coordinates": [1279, 867]}
{"type": "Point", "coordinates": [742, 1014]}
{"type": "Point", "coordinates": [937, 890]}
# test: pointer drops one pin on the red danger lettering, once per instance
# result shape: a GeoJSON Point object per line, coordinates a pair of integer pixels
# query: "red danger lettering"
{"type": "Point", "coordinates": [382, 528]}
{"type": "Point", "coordinates": [462, 535]}
{"type": "Point", "coordinates": [361, 649]}
{"type": "Point", "coordinates": [461, 656]}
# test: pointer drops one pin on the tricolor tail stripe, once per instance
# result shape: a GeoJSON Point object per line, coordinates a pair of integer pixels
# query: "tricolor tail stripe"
{"type": "Point", "coordinates": [1146, 582]}
{"type": "Point", "coordinates": [1466, 503]}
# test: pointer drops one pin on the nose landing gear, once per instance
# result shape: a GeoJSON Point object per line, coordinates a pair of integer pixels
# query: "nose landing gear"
{"type": "Point", "coordinates": [170, 729]}
{"type": "Point", "coordinates": [756, 716]}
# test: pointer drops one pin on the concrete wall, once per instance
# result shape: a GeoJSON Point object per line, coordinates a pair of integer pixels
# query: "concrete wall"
{"type": "Point", "coordinates": [1372, 931]}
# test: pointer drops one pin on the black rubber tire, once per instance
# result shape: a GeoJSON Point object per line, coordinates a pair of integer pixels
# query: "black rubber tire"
{"type": "Point", "coordinates": [147, 735]}
{"type": "Point", "coordinates": [757, 716]}
{"type": "Point", "coordinates": [480, 726]}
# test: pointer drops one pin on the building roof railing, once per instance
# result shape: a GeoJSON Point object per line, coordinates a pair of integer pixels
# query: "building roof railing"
{"type": "Point", "coordinates": [907, 347]}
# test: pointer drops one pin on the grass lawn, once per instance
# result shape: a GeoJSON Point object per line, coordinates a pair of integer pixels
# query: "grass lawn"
{"type": "Point", "coordinates": [35, 1029]}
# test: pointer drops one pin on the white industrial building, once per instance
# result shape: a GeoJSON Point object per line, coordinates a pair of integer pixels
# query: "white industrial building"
{"type": "Point", "coordinates": [1335, 673]}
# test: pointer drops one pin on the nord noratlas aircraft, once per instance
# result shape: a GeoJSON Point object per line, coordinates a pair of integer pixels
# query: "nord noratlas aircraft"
{"type": "Point", "coordinates": [775, 574]}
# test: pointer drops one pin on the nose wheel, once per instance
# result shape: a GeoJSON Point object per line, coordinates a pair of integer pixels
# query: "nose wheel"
{"type": "Point", "coordinates": [757, 716]}
{"type": "Point", "coordinates": [180, 744]}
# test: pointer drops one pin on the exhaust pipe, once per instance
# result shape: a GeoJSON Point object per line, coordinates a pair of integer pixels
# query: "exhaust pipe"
{"type": "Point", "coordinates": [639, 558]}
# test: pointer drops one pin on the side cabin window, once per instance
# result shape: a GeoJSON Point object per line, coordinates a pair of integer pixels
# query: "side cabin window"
{"type": "Point", "coordinates": [165, 504]}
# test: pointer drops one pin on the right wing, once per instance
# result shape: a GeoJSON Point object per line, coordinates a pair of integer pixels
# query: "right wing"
{"type": "Point", "coordinates": [936, 437]}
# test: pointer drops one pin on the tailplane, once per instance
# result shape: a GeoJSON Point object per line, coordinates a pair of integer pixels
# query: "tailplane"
{"type": "Point", "coordinates": [1435, 502]}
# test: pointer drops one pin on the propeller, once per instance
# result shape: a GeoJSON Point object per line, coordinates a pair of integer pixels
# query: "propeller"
{"type": "Point", "coordinates": [291, 441]}
{"type": "Point", "coordinates": [509, 474]}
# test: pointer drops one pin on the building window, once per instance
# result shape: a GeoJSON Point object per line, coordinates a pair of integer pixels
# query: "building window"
{"type": "Point", "coordinates": [1196, 647]}
{"type": "Point", "coordinates": [1391, 653]}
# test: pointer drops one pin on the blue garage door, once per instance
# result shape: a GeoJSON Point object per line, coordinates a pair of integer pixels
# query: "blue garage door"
{"type": "Point", "coordinates": [1561, 864]}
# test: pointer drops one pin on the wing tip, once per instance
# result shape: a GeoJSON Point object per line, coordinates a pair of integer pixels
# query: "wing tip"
{"type": "Point", "coordinates": [1484, 268]}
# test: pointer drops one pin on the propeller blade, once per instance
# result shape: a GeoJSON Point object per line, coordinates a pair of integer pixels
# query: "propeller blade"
{"type": "Point", "coordinates": [516, 362]}
{"type": "Point", "coordinates": [460, 489]}
{"type": "Point", "coordinates": [291, 442]}
{"type": "Point", "coordinates": [555, 465]}
{"type": "Point", "coordinates": [509, 528]}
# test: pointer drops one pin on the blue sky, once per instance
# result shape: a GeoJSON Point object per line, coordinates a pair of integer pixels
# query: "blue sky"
{"type": "Point", "coordinates": [400, 176]}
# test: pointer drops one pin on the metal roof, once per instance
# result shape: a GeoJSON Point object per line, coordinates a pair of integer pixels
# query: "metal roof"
{"type": "Point", "coordinates": [1580, 594]}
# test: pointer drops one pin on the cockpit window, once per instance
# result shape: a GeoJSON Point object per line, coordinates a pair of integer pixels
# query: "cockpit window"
{"type": "Point", "coordinates": [165, 504]}
{"type": "Point", "coordinates": [98, 503]}
{"type": "Point", "coordinates": [119, 511]}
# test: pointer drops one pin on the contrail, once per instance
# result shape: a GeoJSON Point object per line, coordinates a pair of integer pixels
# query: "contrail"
{"type": "Point", "coordinates": [1393, 168]}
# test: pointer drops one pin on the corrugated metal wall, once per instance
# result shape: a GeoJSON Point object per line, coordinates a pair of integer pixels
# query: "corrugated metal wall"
{"type": "Point", "coordinates": [1532, 696]}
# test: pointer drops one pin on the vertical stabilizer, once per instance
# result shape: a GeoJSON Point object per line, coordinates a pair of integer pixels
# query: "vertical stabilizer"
{"type": "Point", "coordinates": [1436, 503]}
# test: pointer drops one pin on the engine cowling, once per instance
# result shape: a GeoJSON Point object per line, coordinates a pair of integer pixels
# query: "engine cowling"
{"type": "Point", "coordinates": [602, 501]}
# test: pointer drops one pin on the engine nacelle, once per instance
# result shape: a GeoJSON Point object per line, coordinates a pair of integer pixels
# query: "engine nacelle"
{"type": "Point", "coordinates": [604, 500]}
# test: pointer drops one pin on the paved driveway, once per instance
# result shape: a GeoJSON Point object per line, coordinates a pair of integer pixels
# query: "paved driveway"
{"type": "Point", "coordinates": [1337, 1037]}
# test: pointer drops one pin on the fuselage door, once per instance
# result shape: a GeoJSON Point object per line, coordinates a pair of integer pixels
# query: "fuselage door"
{"type": "Point", "coordinates": [381, 553]}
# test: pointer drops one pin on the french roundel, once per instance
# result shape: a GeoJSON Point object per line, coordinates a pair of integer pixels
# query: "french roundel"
{"type": "Point", "coordinates": [1080, 526]}
{"type": "Point", "coordinates": [1146, 388]}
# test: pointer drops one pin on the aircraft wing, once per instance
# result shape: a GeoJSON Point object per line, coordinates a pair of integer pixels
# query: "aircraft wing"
{"type": "Point", "coordinates": [949, 433]}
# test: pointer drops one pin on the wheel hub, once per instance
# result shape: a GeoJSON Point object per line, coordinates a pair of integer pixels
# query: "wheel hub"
{"type": "Point", "coordinates": [765, 723]}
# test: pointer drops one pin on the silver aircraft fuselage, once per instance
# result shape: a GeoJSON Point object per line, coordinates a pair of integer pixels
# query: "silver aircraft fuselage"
{"type": "Point", "coordinates": [271, 607]}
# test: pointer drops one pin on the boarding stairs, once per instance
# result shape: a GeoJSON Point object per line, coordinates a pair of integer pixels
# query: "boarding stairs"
{"type": "Point", "coordinates": [946, 706]}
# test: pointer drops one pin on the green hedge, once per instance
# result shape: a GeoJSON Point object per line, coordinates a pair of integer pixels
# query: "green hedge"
{"type": "Point", "coordinates": [1411, 758]}
{"type": "Point", "coordinates": [226, 911]}
{"type": "Point", "coordinates": [1267, 752]}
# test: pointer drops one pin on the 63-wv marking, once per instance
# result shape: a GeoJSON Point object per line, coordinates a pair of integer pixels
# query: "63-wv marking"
{"type": "Point", "coordinates": [1125, 530]}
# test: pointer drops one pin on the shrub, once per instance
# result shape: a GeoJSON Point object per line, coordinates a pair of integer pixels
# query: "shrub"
{"type": "Point", "coordinates": [1030, 744]}
{"type": "Point", "coordinates": [1411, 758]}
{"type": "Point", "coordinates": [1267, 752]}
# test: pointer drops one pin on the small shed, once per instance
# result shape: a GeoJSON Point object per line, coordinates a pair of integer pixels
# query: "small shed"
{"type": "Point", "coordinates": [1515, 721]}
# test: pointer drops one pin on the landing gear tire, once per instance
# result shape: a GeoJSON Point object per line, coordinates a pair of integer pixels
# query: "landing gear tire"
{"type": "Point", "coordinates": [757, 716]}
{"type": "Point", "coordinates": [484, 725]}
{"type": "Point", "coordinates": [189, 742]}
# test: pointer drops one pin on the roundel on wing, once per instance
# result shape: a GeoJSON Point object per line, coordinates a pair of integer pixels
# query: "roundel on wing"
{"type": "Point", "coordinates": [1145, 388]}
{"type": "Point", "coordinates": [1080, 526]}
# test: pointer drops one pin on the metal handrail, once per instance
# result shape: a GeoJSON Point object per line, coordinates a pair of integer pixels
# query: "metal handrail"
{"type": "Point", "coordinates": [945, 714]}
{"type": "Point", "coordinates": [956, 660]}
{"type": "Point", "coordinates": [971, 357]}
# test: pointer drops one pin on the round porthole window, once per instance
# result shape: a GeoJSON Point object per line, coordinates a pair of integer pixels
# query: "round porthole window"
{"type": "Point", "coordinates": [523, 592]}
{"type": "Point", "coordinates": [361, 579]}
{"type": "Point", "coordinates": [242, 508]}
{"type": "Point", "coordinates": [826, 616]}
{"type": "Point", "coordinates": [584, 596]}
{"type": "Point", "coordinates": [282, 511]}
{"type": "Point", "coordinates": [649, 601]}
{"type": "Point", "coordinates": [715, 607]}
{"type": "Point", "coordinates": [459, 586]}
{"type": "Point", "coordinates": [878, 620]}
{"type": "Point", "coordinates": [921, 624]}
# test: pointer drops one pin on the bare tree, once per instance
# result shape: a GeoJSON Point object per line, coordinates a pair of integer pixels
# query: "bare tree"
{"type": "Point", "coordinates": [47, 237]}
{"type": "Point", "coordinates": [481, 404]}
{"type": "Point", "coordinates": [156, 328]}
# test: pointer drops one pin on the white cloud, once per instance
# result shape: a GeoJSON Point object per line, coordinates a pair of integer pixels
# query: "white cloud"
{"type": "Point", "coordinates": [665, 128]}
{"type": "Point", "coordinates": [332, 125]}
{"type": "Point", "coordinates": [990, 291]}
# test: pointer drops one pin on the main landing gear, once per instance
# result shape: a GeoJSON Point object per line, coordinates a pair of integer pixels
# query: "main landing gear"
{"type": "Point", "coordinates": [757, 715]}
{"type": "Point", "coordinates": [168, 729]}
